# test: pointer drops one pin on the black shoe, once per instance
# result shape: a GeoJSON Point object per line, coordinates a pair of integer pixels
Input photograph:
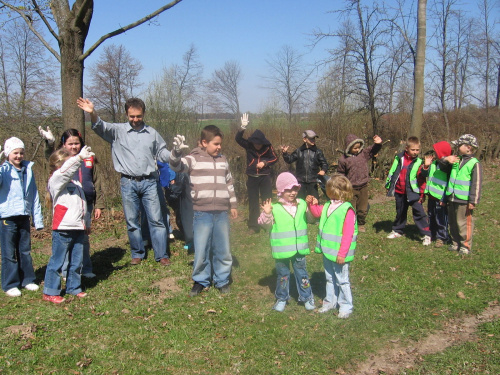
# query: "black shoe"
{"type": "Point", "coordinates": [224, 289]}
{"type": "Point", "coordinates": [196, 289]}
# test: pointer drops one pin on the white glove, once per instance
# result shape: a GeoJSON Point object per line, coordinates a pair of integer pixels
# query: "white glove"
{"type": "Point", "coordinates": [179, 144]}
{"type": "Point", "coordinates": [244, 121]}
{"type": "Point", "coordinates": [85, 152]}
{"type": "Point", "coordinates": [47, 135]}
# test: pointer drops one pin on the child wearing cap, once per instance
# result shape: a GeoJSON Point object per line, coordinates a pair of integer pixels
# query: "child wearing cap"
{"type": "Point", "coordinates": [311, 163]}
{"type": "Point", "coordinates": [463, 193]}
{"type": "Point", "coordinates": [286, 221]}
{"type": "Point", "coordinates": [354, 165]}
{"type": "Point", "coordinates": [19, 201]}
{"type": "Point", "coordinates": [260, 158]}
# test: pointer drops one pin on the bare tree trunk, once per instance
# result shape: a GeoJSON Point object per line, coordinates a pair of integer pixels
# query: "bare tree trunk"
{"type": "Point", "coordinates": [418, 89]}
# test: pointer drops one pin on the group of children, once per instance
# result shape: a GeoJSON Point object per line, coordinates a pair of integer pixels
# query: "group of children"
{"type": "Point", "coordinates": [450, 181]}
{"type": "Point", "coordinates": [20, 203]}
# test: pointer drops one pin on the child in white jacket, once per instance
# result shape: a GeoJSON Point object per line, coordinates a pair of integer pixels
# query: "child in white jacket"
{"type": "Point", "coordinates": [68, 224]}
{"type": "Point", "coordinates": [18, 202]}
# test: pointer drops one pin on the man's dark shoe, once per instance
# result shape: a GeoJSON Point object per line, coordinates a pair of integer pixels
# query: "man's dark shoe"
{"type": "Point", "coordinates": [165, 261]}
{"type": "Point", "coordinates": [224, 289]}
{"type": "Point", "coordinates": [196, 289]}
{"type": "Point", "coordinates": [135, 261]}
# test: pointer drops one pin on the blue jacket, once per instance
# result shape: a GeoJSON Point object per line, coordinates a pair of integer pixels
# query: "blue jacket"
{"type": "Point", "coordinates": [15, 202]}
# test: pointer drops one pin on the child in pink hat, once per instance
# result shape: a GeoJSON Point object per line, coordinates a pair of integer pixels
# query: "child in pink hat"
{"type": "Point", "coordinates": [286, 221]}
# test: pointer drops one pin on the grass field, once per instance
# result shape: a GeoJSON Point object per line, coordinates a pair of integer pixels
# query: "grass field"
{"type": "Point", "coordinates": [139, 319]}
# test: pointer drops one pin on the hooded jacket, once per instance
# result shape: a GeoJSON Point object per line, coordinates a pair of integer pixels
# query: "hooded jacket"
{"type": "Point", "coordinates": [310, 160]}
{"type": "Point", "coordinates": [210, 180]}
{"type": "Point", "coordinates": [68, 198]}
{"type": "Point", "coordinates": [266, 154]}
{"type": "Point", "coordinates": [13, 200]}
{"type": "Point", "coordinates": [355, 167]}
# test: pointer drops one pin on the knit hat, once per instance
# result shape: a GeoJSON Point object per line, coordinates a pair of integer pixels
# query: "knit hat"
{"type": "Point", "coordinates": [309, 134]}
{"type": "Point", "coordinates": [285, 181]}
{"type": "Point", "coordinates": [11, 144]}
{"type": "Point", "coordinates": [466, 139]}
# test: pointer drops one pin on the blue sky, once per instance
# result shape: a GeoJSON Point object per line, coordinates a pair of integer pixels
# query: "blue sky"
{"type": "Point", "coordinates": [246, 31]}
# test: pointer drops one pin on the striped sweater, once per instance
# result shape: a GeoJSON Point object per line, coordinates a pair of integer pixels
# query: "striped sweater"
{"type": "Point", "coordinates": [211, 181]}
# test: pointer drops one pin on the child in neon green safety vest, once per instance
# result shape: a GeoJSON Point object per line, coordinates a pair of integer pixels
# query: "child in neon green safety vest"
{"type": "Point", "coordinates": [286, 222]}
{"type": "Point", "coordinates": [338, 231]}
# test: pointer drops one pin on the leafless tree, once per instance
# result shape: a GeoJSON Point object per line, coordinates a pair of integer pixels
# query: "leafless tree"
{"type": "Point", "coordinates": [114, 78]}
{"type": "Point", "coordinates": [223, 89]}
{"type": "Point", "coordinates": [172, 97]}
{"type": "Point", "coordinates": [289, 80]}
{"type": "Point", "coordinates": [461, 71]}
{"type": "Point", "coordinates": [72, 26]}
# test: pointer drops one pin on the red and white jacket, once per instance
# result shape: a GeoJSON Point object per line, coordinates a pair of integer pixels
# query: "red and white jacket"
{"type": "Point", "coordinates": [68, 198]}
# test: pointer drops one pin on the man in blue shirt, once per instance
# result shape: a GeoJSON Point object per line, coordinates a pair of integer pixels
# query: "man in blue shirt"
{"type": "Point", "coordinates": [135, 148]}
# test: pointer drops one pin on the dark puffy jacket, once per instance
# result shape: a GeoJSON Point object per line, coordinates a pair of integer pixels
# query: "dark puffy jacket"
{"type": "Point", "coordinates": [266, 154]}
{"type": "Point", "coordinates": [355, 167]}
{"type": "Point", "coordinates": [309, 162]}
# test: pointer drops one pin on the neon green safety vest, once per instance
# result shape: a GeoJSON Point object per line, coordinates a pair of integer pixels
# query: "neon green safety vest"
{"type": "Point", "coordinates": [460, 179]}
{"type": "Point", "coordinates": [436, 182]}
{"type": "Point", "coordinates": [289, 234]}
{"type": "Point", "coordinates": [330, 232]}
{"type": "Point", "coordinates": [413, 172]}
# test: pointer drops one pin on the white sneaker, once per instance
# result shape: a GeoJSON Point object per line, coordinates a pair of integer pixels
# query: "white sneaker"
{"type": "Point", "coordinates": [426, 241]}
{"type": "Point", "coordinates": [13, 292]}
{"type": "Point", "coordinates": [453, 247]}
{"type": "Point", "coordinates": [326, 307]}
{"type": "Point", "coordinates": [171, 236]}
{"type": "Point", "coordinates": [394, 235]}
{"type": "Point", "coordinates": [89, 275]}
{"type": "Point", "coordinates": [31, 286]}
{"type": "Point", "coordinates": [464, 251]}
{"type": "Point", "coordinates": [279, 306]}
{"type": "Point", "coordinates": [344, 315]}
{"type": "Point", "coordinates": [309, 305]}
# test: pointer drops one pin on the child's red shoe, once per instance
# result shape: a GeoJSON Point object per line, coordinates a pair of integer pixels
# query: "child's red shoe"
{"type": "Point", "coordinates": [81, 295]}
{"type": "Point", "coordinates": [53, 299]}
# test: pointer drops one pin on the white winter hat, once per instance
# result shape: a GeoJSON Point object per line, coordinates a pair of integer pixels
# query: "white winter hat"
{"type": "Point", "coordinates": [11, 144]}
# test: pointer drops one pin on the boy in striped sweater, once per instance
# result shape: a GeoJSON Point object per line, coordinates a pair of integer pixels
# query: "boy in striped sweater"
{"type": "Point", "coordinates": [213, 196]}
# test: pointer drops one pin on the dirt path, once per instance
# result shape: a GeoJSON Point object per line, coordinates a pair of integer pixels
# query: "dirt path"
{"type": "Point", "coordinates": [395, 359]}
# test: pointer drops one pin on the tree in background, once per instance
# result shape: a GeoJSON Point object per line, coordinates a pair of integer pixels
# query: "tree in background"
{"type": "Point", "coordinates": [172, 97]}
{"type": "Point", "coordinates": [289, 80]}
{"type": "Point", "coordinates": [223, 89]}
{"type": "Point", "coordinates": [114, 78]}
{"type": "Point", "coordinates": [70, 32]}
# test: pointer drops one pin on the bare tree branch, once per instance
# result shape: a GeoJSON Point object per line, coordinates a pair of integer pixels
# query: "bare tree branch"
{"type": "Point", "coordinates": [44, 19]}
{"type": "Point", "coordinates": [125, 28]}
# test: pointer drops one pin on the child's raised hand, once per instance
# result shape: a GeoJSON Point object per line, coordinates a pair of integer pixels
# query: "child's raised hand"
{"type": "Point", "coordinates": [377, 139]}
{"type": "Point", "coordinates": [46, 134]}
{"type": "Point", "coordinates": [428, 160]}
{"type": "Point", "coordinates": [85, 153]}
{"type": "Point", "coordinates": [452, 159]}
{"type": "Point", "coordinates": [244, 121]}
{"type": "Point", "coordinates": [309, 199]}
{"type": "Point", "coordinates": [266, 206]}
{"type": "Point", "coordinates": [284, 148]}
{"type": "Point", "coordinates": [179, 144]}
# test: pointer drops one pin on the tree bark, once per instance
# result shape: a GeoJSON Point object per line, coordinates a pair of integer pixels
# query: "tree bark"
{"type": "Point", "coordinates": [418, 75]}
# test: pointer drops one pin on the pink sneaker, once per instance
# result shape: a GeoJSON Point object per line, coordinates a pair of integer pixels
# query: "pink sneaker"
{"type": "Point", "coordinates": [81, 295]}
{"type": "Point", "coordinates": [53, 299]}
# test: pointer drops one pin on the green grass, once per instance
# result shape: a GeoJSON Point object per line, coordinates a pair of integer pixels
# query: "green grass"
{"type": "Point", "coordinates": [128, 324]}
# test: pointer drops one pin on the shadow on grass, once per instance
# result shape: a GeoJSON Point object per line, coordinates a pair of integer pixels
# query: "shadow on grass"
{"type": "Point", "coordinates": [411, 231]}
{"type": "Point", "coordinates": [102, 264]}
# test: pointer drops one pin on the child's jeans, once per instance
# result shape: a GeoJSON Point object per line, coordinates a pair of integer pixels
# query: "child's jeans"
{"type": "Point", "coordinates": [419, 215]}
{"type": "Point", "coordinates": [211, 243]}
{"type": "Point", "coordinates": [15, 240]}
{"type": "Point", "coordinates": [63, 242]}
{"type": "Point", "coordinates": [282, 292]}
{"type": "Point", "coordinates": [338, 286]}
{"type": "Point", "coordinates": [438, 220]}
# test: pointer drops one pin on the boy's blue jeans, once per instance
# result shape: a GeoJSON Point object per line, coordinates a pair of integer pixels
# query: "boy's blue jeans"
{"type": "Point", "coordinates": [211, 244]}
{"type": "Point", "coordinates": [15, 240]}
{"type": "Point", "coordinates": [282, 292]}
{"type": "Point", "coordinates": [338, 286]}
{"type": "Point", "coordinates": [438, 220]}
{"type": "Point", "coordinates": [65, 242]}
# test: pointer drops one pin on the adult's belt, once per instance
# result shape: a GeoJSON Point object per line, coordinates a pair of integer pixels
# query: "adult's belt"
{"type": "Point", "coordinates": [137, 178]}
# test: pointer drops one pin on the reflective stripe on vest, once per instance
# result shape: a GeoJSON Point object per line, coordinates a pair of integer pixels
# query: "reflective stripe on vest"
{"type": "Point", "coordinates": [460, 179]}
{"type": "Point", "coordinates": [289, 234]}
{"type": "Point", "coordinates": [436, 182]}
{"type": "Point", "coordinates": [330, 232]}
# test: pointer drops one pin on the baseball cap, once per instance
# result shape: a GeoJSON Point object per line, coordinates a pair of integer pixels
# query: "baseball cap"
{"type": "Point", "coordinates": [466, 139]}
{"type": "Point", "coordinates": [309, 134]}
